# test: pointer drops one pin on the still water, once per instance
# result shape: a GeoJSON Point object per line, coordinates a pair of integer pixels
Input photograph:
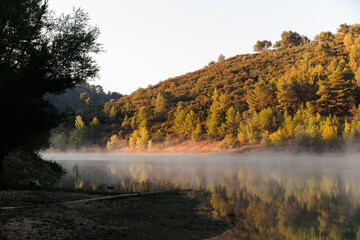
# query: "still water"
{"type": "Point", "coordinates": [264, 195]}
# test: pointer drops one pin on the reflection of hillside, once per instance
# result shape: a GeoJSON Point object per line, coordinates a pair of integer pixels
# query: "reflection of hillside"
{"type": "Point", "coordinates": [263, 202]}
{"type": "Point", "coordinates": [328, 212]}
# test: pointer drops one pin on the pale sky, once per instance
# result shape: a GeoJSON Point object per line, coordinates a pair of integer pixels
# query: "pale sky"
{"type": "Point", "coordinates": [147, 41]}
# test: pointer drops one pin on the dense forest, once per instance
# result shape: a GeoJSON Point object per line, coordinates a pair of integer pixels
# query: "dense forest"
{"type": "Point", "coordinates": [69, 100]}
{"type": "Point", "coordinates": [299, 91]}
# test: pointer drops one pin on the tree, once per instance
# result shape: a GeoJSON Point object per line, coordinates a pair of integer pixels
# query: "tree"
{"type": "Point", "coordinates": [346, 34]}
{"type": "Point", "coordinates": [232, 121]}
{"type": "Point", "coordinates": [262, 45]}
{"type": "Point", "coordinates": [246, 133]}
{"type": "Point", "coordinates": [190, 122]}
{"type": "Point", "coordinates": [355, 59]}
{"type": "Point", "coordinates": [85, 99]}
{"type": "Point", "coordinates": [355, 55]}
{"type": "Point", "coordinates": [143, 139]}
{"type": "Point", "coordinates": [162, 104]}
{"type": "Point", "coordinates": [39, 55]}
{"type": "Point", "coordinates": [214, 118]}
{"type": "Point", "coordinates": [59, 141]}
{"type": "Point", "coordinates": [349, 132]}
{"type": "Point", "coordinates": [289, 39]}
{"type": "Point", "coordinates": [79, 123]}
{"type": "Point", "coordinates": [343, 29]}
{"type": "Point", "coordinates": [324, 37]}
{"type": "Point", "coordinates": [262, 96]}
{"type": "Point", "coordinates": [95, 122]}
{"type": "Point", "coordinates": [305, 39]}
{"type": "Point", "coordinates": [143, 114]}
{"type": "Point", "coordinates": [278, 137]}
{"type": "Point", "coordinates": [196, 134]}
{"type": "Point", "coordinates": [95, 130]}
{"type": "Point", "coordinates": [228, 142]}
{"type": "Point", "coordinates": [126, 125]}
{"type": "Point", "coordinates": [329, 133]}
{"type": "Point", "coordinates": [299, 85]}
{"type": "Point", "coordinates": [265, 140]}
{"type": "Point", "coordinates": [140, 137]}
{"type": "Point", "coordinates": [291, 93]}
{"type": "Point", "coordinates": [348, 41]}
{"type": "Point", "coordinates": [221, 58]}
{"type": "Point", "coordinates": [78, 135]}
{"type": "Point", "coordinates": [112, 113]}
{"type": "Point", "coordinates": [336, 92]}
{"type": "Point", "coordinates": [179, 121]}
{"type": "Point", "coordinates": [112, 143]}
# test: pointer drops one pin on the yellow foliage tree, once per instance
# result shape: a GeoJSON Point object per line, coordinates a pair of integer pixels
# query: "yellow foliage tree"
{"type": "Point", "coordinates": [112, 143]}
{"type": "Point", "coordinates": [79, 123]}
{"type": "Point", "coordinates": [349, 132]}
{"type": "Point", "coordinates": [278, 137]}
{"type": "Point", "coordinates": [140, 138]}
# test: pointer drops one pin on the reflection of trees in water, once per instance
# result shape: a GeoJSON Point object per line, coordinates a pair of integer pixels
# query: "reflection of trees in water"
{"type": "Point", "coordinates": [325, 213]}
{"type": "Point", "coordinates": [262, 203]}
{"type": "Point", "coordinates": [78, 182]}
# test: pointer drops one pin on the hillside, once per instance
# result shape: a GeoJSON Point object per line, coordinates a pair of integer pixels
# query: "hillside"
{"type": "Point", "coordinates": [300, 91]}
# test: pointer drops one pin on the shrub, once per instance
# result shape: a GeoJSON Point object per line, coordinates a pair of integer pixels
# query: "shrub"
{"type": "Point", "coordinates": [228, 142]}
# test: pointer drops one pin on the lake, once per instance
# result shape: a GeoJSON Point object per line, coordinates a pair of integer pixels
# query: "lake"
{"type": "Point", "coordinates": [267, 195]}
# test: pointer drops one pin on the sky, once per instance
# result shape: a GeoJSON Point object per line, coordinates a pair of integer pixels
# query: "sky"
{"type": "Point", "coordinates": [147, 41]}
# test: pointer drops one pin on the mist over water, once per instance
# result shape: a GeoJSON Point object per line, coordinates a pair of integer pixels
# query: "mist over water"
{"type": "Point", "coordinates": [208, 171]}
{"type": "Point", "coordinates": [301, 196]}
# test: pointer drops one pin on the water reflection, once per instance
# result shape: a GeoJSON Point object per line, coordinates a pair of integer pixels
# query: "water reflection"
{"type": "Point", "coordinates": [264, 196]}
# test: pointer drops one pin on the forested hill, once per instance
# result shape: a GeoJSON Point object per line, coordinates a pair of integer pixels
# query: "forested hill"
{"type": "Point", "coordinates": [300, 91]}
{"type": "Point", "coordinates": [70, 99]}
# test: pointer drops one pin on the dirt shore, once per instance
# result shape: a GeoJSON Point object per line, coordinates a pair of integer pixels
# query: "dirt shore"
{"type": "Point", "coordinates": [158, 216]}
{"type": "Point", "coordinates": [176, 147]}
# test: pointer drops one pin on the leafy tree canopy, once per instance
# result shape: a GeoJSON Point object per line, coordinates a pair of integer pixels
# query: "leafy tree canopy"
{"type": "Point", "coordinates": [39, 55]}
{"type": "Point", "coordinates": [262, 45]}
{"type": "Point", "coordinates": [290, 39]}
